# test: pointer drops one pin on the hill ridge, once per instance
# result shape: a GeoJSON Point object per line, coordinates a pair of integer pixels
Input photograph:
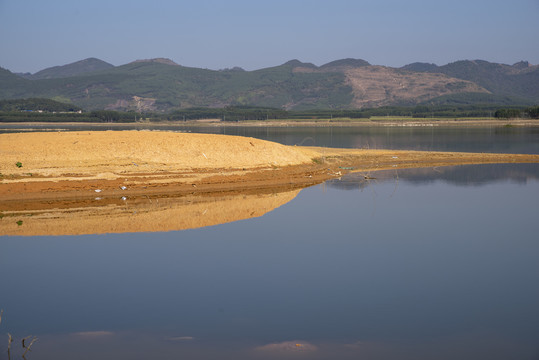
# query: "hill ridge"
{"type": "Point", "coordinates": [76, 68]}
{"type": "Point", "coordinates": [160, 84]}
{"type": "Point", "coordinates": [165, 61]}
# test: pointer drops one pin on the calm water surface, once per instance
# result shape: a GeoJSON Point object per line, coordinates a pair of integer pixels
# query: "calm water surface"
{"type": "Point", "coordinates": [417, 264]}
{"type": "Point", "coordinates": [435, 263]}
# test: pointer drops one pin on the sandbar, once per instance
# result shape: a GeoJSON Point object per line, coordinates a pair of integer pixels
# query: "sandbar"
{"type": "Point", "coordinates": [86, 182]}
{"type": "Point", "coordinates": [53, 165]}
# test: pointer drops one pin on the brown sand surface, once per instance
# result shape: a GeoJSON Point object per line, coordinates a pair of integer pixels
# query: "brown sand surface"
{"type": "Point", "coordinates": [70, 170]}
{"type": "Point", "coordinates": [108, 154]}
{"type": "Point", "coordinates": [76, 164]}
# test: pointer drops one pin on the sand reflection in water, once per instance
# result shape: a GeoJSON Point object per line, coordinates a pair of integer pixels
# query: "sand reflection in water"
{"type": "Point", "coordinates": [141, 214]}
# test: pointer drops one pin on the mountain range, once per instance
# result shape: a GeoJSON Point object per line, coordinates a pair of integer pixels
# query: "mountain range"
{"type": "Point", "coordinates": [162, 85]}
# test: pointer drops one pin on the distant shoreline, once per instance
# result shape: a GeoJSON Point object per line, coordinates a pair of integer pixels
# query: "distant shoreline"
{"type": "Point", "coordinates": [378, 121]}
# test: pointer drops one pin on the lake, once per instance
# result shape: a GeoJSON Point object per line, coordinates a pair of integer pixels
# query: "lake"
{"type": "Point", "coordinates": [432, 263]}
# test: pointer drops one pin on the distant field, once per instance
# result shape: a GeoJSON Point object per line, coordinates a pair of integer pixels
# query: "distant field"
{"type": "Point", "coordinates": [434, 118]}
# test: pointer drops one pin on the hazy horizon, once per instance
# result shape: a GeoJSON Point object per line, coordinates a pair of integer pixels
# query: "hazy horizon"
{"type": "Point", "coordinates": [224, 68]}
{"type": "Point", "coordinates": [253, 35]}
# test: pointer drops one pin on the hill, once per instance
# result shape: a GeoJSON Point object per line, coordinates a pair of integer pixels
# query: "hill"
{"type": "Point", "coordinates": [420, 67]}
{"type": "Point", "coordinates": [519, 80]}
{"type": "Point", "coordinates": [375, 86]}
{"type": "Point", "coordinates": [350, 63]}
{"type": "Point", "coordinates": [158, 86]}
{"type": "Point", "coordinates": [74, 69]}
{"type": "Point", "coordinates": [162, 85]}
{"type": "Point", "coordinates": [12, 86]}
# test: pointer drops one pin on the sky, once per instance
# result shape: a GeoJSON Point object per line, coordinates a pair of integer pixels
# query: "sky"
{"type": "Point", "coordinates": [36, 34]}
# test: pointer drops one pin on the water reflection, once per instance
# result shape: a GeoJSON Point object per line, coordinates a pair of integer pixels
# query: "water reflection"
{"type": "Point", "coordinates": [414, 269]}
{"type": "Point", "coordinates": [140, 345]}
{"type": "Point", "coordinates": [153, 214]}
{"type": "Point", "coordinates": [463, 175]}
{"type": "Point", "coordinates": [135, 214]}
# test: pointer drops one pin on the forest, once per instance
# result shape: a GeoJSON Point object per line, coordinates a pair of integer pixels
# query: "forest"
{"type": "Point", "coordinates": [46, 110]}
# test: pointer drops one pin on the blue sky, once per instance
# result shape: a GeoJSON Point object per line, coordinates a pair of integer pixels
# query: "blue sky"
{"type": "Point", "coordinates": [35, 34]}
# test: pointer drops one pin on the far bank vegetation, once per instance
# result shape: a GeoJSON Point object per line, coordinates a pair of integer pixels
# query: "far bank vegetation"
{"type": "Point", "coordinates": [47, 110]}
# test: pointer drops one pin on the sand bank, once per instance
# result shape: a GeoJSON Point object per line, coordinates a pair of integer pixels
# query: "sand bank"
{"type": "Point", "coordinates": [117, 163]}
{"type": "Point", "coordinates": [75, 182]}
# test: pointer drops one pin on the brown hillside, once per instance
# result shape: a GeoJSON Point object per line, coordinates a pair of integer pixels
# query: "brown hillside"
{"type": "Point", "coordinates": [379, 86]}
{"type": "Point", "coordinates": [374, 86]}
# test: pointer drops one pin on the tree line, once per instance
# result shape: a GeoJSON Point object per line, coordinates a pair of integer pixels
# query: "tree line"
{"type": "Point", "coordinates": [37, 104]}
{"type": "Point", "coordinates": [47, 110]}
{"type": "Point", "coordinates": [83, 117]}
{"type": "Point", "coordinates": [515, 113]}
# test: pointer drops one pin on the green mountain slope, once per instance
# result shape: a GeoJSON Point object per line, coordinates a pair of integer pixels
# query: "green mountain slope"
{"type": "Point", "coordinates": [74, 69]}
{"type": "Point", "coordinates": [154, 86]}
{"type": "Point", "coordinates": [12, 86]}
{"type": "Point", "coordinates": [345, 62]}
{"type": "Point", "coordinates": [162, 85]}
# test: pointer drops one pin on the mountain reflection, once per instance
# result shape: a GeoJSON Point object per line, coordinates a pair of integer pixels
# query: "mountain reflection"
{"type": "Point", "coordinates": [464, 175]}
{"type": "Point", "coordinates": [141, 214]}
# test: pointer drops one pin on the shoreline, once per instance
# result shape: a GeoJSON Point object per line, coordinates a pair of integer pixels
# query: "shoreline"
{"type": "Point", "coordinates": [76, 182]}
{"type": "Point", "coordinates": [90, 164]}
{"type": "Point", "coordinates": [379, 121]}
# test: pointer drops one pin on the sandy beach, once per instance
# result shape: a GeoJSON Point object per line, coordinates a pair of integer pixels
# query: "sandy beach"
{"type": "Point", "coordinates": [56, 165]}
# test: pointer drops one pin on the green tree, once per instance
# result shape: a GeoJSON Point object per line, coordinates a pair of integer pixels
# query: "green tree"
{"type": "Point", "coordinates": [507, 113]}
{"type": "Point", "coordinates": [533, 112]}
{"type": "Point", "coordinates": [106, 115]}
